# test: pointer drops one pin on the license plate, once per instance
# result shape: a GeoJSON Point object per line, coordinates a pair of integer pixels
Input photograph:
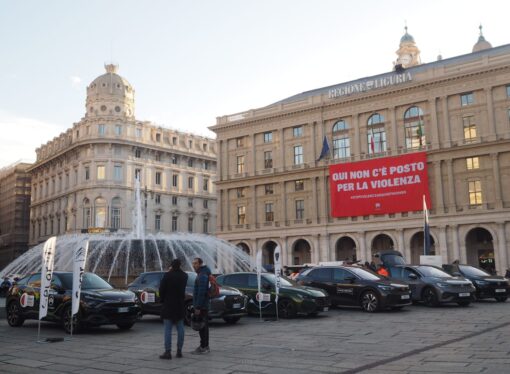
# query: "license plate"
{"type": "Point", "coordinates": [237, 306]}
{"type": "Point", "coordinates": [500, 290]}
{"type": "Point", "coordinates": [123, 309]}
{"type": "Point", "coordinates": [325, 309]}
{"type": "Point", "coordinates": [405, 297]}
{"type": "Point", "coordinates": [464, 294]}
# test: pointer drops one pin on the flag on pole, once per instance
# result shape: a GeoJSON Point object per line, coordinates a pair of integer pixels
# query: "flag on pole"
{"type": "Point", "coordinates": [325, 149]}
{"type": "Point", "coordinates": [79, 259]}
{"type": "Point", "coordinates": [277, 273]}
{"type": "Point", "coordinates": [426, 229]}
{"type": "Point", "coordinates": [419, 132]}
{"type": "Point", "coordinates": [372, 141]}
{"type": "Point", "coordinates": [48, 256]}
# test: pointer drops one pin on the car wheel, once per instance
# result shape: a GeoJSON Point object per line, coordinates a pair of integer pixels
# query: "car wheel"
{"type": "Point", "coordinates": [464, 303]}
{"type": "Point", "coordinates": [501, 299]}
{"type": "Point", "coordinates": [14, 317]}
{"type": "Point", "coordinates": [188, 312]}
{"type": "Point", "coordinates": [125, 326]}
{"type": "Point", "coordinates": [66, 321]}
{"type": "Point", "coordinates": [429, 297]}
{"type": "Point", "coordinates": [286, 309]}
{"type": "Point", "coordinates": [369, 302]}
{"type": "Point", "coordinates": [231, 320]}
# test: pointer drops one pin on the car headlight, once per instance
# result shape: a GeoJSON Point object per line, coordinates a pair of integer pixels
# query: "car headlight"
{"type": "Point", "coordinates": [299, 296]}
{"type": "Point", "coordinates": [442, 284]}
{"type": "Point", "coordinates": [91, 301]}
{"type": "Point", "coordinates": [384, 288]}
{"type": "Point", "coordinates": [481, 282]}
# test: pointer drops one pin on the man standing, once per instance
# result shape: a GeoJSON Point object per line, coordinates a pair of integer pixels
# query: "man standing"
{"type": "Point", "coordinates": [172, 292]}
{"type": "Point", "coordinates": [201, 302]}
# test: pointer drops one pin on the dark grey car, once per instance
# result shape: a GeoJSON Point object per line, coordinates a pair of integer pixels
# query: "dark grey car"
{"type": "Point", "coordinates": [433, 286]}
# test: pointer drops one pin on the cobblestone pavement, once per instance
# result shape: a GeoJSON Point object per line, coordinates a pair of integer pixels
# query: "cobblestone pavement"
{"type": "Point", "coordinates": [448, 339]}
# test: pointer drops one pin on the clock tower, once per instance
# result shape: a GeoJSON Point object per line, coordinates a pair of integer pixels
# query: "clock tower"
{"type": "Point", "coordinates": [408, 53]}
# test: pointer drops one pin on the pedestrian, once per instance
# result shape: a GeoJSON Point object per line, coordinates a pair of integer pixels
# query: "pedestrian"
{"type": "Point", "coordinates": [373, 267]}
{"type": "Point", "coordinates": [201, 303]}
{"type": "Point", "coordinates": [172, 291]}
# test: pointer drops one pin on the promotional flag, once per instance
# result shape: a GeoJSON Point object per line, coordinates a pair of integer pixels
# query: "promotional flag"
{"type": "Point", "coordinates": [325, 149]}
{"type": "Point", "coordinates": [277, 272]}
{"type": "Point", "coordinates": [259, 272]}
{"type": "Point", "coordinates": [48, 256]}
{"type": "Point", "coordinates": [372, 142]}
{"type": "Point", "coordinates": [426, 229]}
{"type": "Point", "coordinates": [79, 259]}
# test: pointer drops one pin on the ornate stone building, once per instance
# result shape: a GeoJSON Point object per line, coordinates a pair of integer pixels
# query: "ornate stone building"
{"type": "Point", "coordinates": [272, 190]}
{"type": "Point", "coordinates": [83, 180]}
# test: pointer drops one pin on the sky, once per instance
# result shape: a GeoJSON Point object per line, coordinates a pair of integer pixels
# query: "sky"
{"type": "Point", "coordinates": [192, 61]}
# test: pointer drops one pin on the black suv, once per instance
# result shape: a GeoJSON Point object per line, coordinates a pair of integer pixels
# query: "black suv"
{"type": "Point", "coordinates": [100, 303]}
{"type": "Point", "coordinates": [487, 286]}
{"type": "Point", "coordinates": [354, 286]}
{"type": "Point", "coordinates": [230, 305]}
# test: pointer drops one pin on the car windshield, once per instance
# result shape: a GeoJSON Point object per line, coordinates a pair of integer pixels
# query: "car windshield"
{"type": "Point", "coordinates": [430, 271]}
{"type": "Point", "coordinates": [90, 282]}
{"type": "Point", "coordinates": [363, 274]}
{"type": "Point", "coordinates": [393, 260]}
{"type": "Point", "coordinates": [285, 282]}
{"type": "Point", "coordinates": [471, 271]}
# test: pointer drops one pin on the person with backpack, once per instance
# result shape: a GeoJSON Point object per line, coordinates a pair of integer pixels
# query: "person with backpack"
{"type": "Point", "coordinates": [205, 286]}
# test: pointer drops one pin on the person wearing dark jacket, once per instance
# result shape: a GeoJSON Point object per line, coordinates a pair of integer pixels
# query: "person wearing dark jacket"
{"type": "Point", "coordinates": [172, 291]}
{"type": "Point", "coordinates": [201, 302]}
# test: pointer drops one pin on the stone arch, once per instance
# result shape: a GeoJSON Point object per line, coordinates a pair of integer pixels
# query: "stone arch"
{"type": "Point", "coordinates": [243, 247]}
{"type": "Point", "coordinates": [381, 242]}
{"type": "Point", "coordinates": [268, 254]}
{"type": "Point", "coordinates": [301, 252]}
{"type": "Point", "coordinates": [480, 249]}
{"type": "Point", "coordinates": [345, 248]}
{"type": "Point", "coordinates": [416, 246]}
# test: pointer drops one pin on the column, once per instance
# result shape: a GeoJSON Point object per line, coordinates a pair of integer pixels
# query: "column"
{"type": "Point", "coordinates": [314, 143]}
{"type": "Point", "coordinates": [434, 125]}
{"type": "Point", "coordinates": [226, 167]}
{"type": "Point", "coordinates": [443, 247]}
{"type": "Point", "coordinates": [497, 180]}
{"type": "Point", "coordinates": [227, 209]}
{"type": "Point", "coordinates": [401, 245]}
{"type": "Point", "coordinates": [315, 217]}
{"type": "Point", "coordinates": [286, 256]}
{"type": "Point", "coordinates": [446, 122]}
{"type": "Point", "coordinates": [394, 130]}
{"type": "Point", "coordinates": [282, 147]}
{"type": "Point", "coordinates": [254, 207]}
{"type": "Point", "coordinates": [325, 252]}
{"type": "Point", "coordinates": [455, 243]}
{"type": "Point", "coordinates": [315, 255]}
{"type": "Point", "coordinates": [438, 182]}
{"type": "Point", "coordinates": [503, 259]}
{"type": "Point", "coordinates": [219, 162]}
{"type": "Point", "coordinates": [451, 187]}
{"type": "Point", "coordinates": [253, 156]}
{"type": "Point", "coordinates": [357, 141]}
{"type": "Point", "coordinates": [283, 199]}
{"type": "Point", "coordinates": [490, 114]}
{"type": "Point", "coordinates": [362, 247]}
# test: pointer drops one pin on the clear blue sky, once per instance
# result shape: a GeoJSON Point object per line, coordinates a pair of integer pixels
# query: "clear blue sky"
{"type": "Point", "coordinates": [191, 61]}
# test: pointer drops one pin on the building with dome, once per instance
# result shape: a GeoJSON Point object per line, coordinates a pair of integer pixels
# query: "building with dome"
{"type": "Point", "coordinates": [83, 180]}
{"type": "Point", "coordinates": [281, 166]}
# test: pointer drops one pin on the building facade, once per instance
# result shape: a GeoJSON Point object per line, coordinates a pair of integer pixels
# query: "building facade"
{"type": "Point", "coordinates": [14, 211]}
{"type": "Point", "coordinates": [84, 179]}
{"type": "Point", "coordinates": [273, 191]}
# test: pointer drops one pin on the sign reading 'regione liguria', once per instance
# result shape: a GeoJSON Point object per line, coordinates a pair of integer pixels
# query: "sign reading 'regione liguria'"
{"type": "Point", "coordinates": [379, 186]}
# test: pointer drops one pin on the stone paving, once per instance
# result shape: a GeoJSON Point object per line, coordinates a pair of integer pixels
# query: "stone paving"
{"type": "Point", "coordinates": [448, 339]}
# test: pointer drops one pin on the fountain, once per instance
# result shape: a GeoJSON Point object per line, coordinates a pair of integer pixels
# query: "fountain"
{"type": "Point", "coordinates": [121, 256]}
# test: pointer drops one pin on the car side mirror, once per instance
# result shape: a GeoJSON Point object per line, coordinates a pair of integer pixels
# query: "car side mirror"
{"type": "Point", "coordinates": [412, 276]}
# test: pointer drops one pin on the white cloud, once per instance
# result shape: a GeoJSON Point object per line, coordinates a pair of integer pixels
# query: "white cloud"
{"type": "Point", "coordinates": [75, 81]}
{"type": "Point", "coordinates": [21, 136]}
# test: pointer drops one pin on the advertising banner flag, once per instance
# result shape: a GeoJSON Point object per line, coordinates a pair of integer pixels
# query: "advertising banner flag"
{"type": "Point", "coordinates": [79, 259]}
{"type": "Point", "coordinates": [277, 273]}
{"type": "Point", "coordinates": [379, 186]}
{"type": "Point", "coordinates": [426, 229]}
{"type": "Point", "coordinates": [259, 272]}
{"type": "Point", "coordinates": [48, 256]}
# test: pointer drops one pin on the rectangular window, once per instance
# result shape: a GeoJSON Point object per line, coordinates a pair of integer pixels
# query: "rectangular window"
{"type": "Point", "coordinates": [206, 165]}
{"type": "Point", "coordinates": [206, 226]}
{"type": "Point", "coordinates": [174, 223]}
{"type": "Point", "coordinates": [239, 142]}
{"type": "Point", "coordinates": [190, 224]}
{"type": "Point", "coordinates": [508, 90]}
{"type": "Point", "coordinates": [115, 218]}
{"type": "Point", "coordinates": [241, 192]}
{"type": "Point", "coordinates": [300, 209]}
{"type": "Point", "coordinates": [75, 177]}
{"type": "Point", "coordinates": [469, 129]}
{"type": "Point", "coordinates": [175, 180]}
{"type": "Point", "coordinates": [204, 147]}
{"type": "Point", "coordinates": [298, 155]}
{"type": "Point", "coordinates": [475, 192]}
{"type": "Point", "coordinates": [174, 200]}
{"type": "Point", "coordinates": [466, 99]}
{"type": "Point", "coordinates": [157, 198]}
{"type": "Point", "coordinates": [240, 164]}
{"type": "Point", "coordinates": [174, 141]}
{"type": "Point", "coordinates": [206, 204]}
{"type": "Point", "coordinates": [117, 172]}
{"type": "Point", "coordinates": [472, 163]}
{"type": "Point", "coordinates": [299, 185]}
{"type": "Point", "coordinates": [158, 137]}
{"type": "Point", "coordinates": [118, 130]}
{"type": "Point", "coordinates": [190, 144]}
{"type": "Point", "coordinates": [206, 184]}
{"type": "Point", "coordinates": [268, 189]}
{"type": "Point", "coordinates": [268, 159]}
{"type": "Point", "coordinates": [297, 131]}
{"type": "Point", "coordinates": [190, 202]}
{"type": "Point", "coordinates": [101, 173]}
{"type": "Point", "coordinates": [157, 222]}
{"type": "Point", "coordinates": [191, 182]}
{"type": "Point", "coordinates": [269, 212]}
{"type": "Point", "coordinates": [341, 147]}
{"type": "Point", "coordinates": [101, 129]}
{"type": "Point", "coordinates": [376, 140]}
{"type": "Point", "coordinates": [241, 215]}
{"type": "Point", "coordinates": [174, 159]}
{"type": "Point", "coordinates": [138, 133]}
{"type": "Point", "coordinates": [138, 174]}
{"type": "Point", "coordinates": [87, 173]}
{"type": "Point", "coordinates": [190, 162]}
{"type": "Point", "coordinates": [158, 178]}
{"type": "Point", "coordinates": [268, 137]}
{"type": "Point", "coordinates": [158, 156]}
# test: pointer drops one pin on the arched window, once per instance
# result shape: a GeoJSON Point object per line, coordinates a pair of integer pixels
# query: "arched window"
{"type": "Point", "coordinates": [115, 213]}
{"type": "Point", "coordinates": [341, 141]}
{"type": "Point", "coordinates": [100, 212]}
{"type": "Point", "coordinates": [86, 213]}
{"type": "Point", "coordinates": [376, 134]}
{"type": "Point", "coordinates": [414, 128]}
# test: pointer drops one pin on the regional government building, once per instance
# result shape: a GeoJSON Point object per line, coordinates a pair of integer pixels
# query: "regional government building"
{"type": "Point", "coordinates": [272, 190]}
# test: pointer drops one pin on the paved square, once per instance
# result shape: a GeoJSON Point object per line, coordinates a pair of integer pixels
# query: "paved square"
{"type": "Point", "coordinates": [418, 339]}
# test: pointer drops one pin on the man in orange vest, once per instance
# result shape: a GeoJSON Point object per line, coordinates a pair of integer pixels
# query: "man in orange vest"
{"type": "Point", "coordinates": [382, 271]}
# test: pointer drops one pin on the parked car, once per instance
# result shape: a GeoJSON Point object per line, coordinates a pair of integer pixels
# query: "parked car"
{"type": "Point", "coordinates": [293, 299]}
{"type": "Point", "coordinates": [230, 305]}
{"type": "Point", "coordinates": [487, 285]}
{"type": "Point", "coordinates": [433, 286]}
{"type": "Point", "coordinates": [100, 303]}
{"type": "Point", "coordinates": [354, 286]}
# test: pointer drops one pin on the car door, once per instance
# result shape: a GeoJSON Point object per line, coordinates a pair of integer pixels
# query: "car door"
{"type": "Point", "coordinates": [240, 281]}
{"type": "Point", "coordinates": [266, 287]}
{"type": "Point", "coordinates": [30, 301]}
{"type": "Point", "coordinates": [412, 277]}
{"type": "Point", "coordinates": [322, 278]}
{"type": "Point", "coordinates": [346, 286]}
{"type": "Point", "coordinates": [57, 296]}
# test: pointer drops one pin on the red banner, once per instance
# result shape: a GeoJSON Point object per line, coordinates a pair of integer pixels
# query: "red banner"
{"type": "Point", "coordinates": [379, 186]}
